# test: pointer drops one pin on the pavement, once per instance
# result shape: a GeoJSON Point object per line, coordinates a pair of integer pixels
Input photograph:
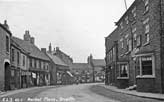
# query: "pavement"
{"type": "Point", "coordinates": [134, 92]}
{"type": "Point", "coordinates": [12, 92]}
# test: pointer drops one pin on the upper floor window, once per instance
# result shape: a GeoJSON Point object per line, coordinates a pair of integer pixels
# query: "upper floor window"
{"type": "Point", "coordinates": [122, 43]}
{"type": "Point", "coordinates": [147, 29]}
{"type": "Point", "coordinates": [12, 55]}
{"type": "Point", "coordinates": [126, 20]}
{"type": "Point", "coordinates": [134, 12]}
{"type": "Point", "coordinates": [146, 2]}
{"type": "Point", "coordinates": [138, 40]}
{"type": "Point", "coordinates": [40, 65]}
{"type": "Point", "coordinates": [30, 62]}
{"type": "Point", "coordinates": [7, 43]}
{"type": "Point", "coordinates": [24, 60]}
{"type": "Point", "coordinates": [121, 25]}
{"type": "Point", "coordinates": [18, 58]}
{"type": "Point", "coordinates": [35, 63]}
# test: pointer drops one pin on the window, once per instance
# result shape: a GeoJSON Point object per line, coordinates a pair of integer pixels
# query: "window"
{"type": "Point", "coordinates": [123, 70]}
{"type": "Point", "coordinates": [18, 58]}
{"type": "Point", "coordinates": [47, 67]}
{"type": "Point", "coordinates": [146, 65]}
{"type": "Point", "coordinates": [147, 28]}
{"type": "Point", "coordinates": [12, 55]}
{"type": "Point", "coordinates": [138, 40]}
{"type": "Point", "coordinates": [122, 43]}
{"type": "Point", "coordinates": [126, 19]}
{"type": "Point", "coordinates": [134, 12]}
{"type": "Point", "coordinates": [40, 64]}
{"type": "Point", "coordinates": [127, 44]}
{"type": "Point", "coordinates": [35, 63]}
{"type": "Point", "coordinates": [30, 62]}
{"type": "Point", "coordinates": [146, 5]}
{"type": "Point", "coordinates": [44, 66]}
{"type": "Point", "coordinates": [23, 60]}
{"type": "Point", "coordinates": [7, 44]}
{"type": "Point", "coordinates": [130, 44]}
{"type": "Point", "coordinates": [121, 25]}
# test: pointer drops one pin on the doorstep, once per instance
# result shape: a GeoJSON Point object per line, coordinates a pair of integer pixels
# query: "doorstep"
{"type": "Point", "coordinates": [134, 93]}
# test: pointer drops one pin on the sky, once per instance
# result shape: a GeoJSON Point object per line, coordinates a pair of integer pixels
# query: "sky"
{"type": "Point", "coordinates": [77, 27]}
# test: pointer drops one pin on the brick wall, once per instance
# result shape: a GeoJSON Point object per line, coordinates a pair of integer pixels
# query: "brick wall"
{"type": "Point", "coordinates": [3, 55]}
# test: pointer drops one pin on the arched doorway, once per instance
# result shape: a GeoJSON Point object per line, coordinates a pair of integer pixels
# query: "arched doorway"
{"type": "Point", "coordinates": [7, 76]}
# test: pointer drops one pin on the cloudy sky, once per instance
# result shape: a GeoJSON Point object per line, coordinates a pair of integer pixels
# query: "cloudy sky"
{"type": "Point", "coordinates": [78, 27]}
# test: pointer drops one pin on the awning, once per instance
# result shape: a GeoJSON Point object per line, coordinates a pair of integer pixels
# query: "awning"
{"type": "Point", "coordinates": [70, 73]}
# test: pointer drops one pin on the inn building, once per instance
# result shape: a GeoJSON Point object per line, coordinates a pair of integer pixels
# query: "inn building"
{"type": "Point", "coordinates": [135, 49]}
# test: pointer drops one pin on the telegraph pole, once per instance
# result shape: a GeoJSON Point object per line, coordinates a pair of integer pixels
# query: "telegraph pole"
{"type": "Point", "coordinates": [125, 4]}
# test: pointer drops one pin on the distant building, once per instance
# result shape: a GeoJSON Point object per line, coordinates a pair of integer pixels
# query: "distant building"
{"type": "Point", "coordinates": [59, 70]}
{"type": "Point", "coordinates": [98, 68]}
{"type": "Point", "coordinates": [82, 72]}
{"type": "Point", "coordinates": [5, 73]}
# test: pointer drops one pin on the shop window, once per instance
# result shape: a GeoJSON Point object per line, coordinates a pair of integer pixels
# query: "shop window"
{"type": "Point", "coordinates": [146, 66]}
{"type": "Point", "coordinates": [123, 70]}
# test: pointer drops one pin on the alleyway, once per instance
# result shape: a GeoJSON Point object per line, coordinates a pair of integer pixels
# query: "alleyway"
{"type": "Point", "coordinates": [72, 93]}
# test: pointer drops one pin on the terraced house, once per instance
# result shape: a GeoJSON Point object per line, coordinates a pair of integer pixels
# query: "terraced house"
{"type": "Point", "coordinates": [37, 61]}
{"type": "Point", "coordinates": [135, 49]}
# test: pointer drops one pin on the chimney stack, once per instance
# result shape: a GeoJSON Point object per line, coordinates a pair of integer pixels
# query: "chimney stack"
{"type": "Point", "coordinates": [43, 50]}
{"type": "Point", "coordinates": [27, 36]}
{"type": "Point", "coordinates": [6, 25]}
{"type": "Point", "coordinates": [32, 40]}
{"type": "Point", "coordinates": [50, 48]}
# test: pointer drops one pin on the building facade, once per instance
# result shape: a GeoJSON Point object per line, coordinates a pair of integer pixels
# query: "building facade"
{"type": "Point", "coordinates": [139, 47]}
{"type": "Point", "coordinates": [5, 36]}
{"type": "Point", "coordinates": [82, 72]}
{"type": "Point", "coordinates": [37, 61]}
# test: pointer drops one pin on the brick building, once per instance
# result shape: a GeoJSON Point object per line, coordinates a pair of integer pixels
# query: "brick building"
{"type": "Point", "coordinates": [5, 36]}
{"type": "Point", "coordinates": [140, 47]}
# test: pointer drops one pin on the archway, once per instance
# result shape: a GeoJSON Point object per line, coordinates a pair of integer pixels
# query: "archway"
{"type": "Point", "coordinates": [7, 76]}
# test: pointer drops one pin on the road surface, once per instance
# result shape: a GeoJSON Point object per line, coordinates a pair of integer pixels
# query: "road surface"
{"type": "Point", "coordinates": [72, 93]}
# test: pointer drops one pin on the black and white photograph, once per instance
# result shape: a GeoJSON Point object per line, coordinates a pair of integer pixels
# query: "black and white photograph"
{"type": "Point", "coordinates": [81, 50]}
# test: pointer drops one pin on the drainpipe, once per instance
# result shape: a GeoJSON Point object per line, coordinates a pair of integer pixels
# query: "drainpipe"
{"type": "Point", "coordinates": [161, 31]}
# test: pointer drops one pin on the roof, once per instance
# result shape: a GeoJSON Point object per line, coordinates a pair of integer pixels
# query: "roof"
{"type": "Point", "coordinates": [8, 31]}
{"type": "Point", "coordinates": [80, 66]}
{"type": "Point", "coordinates": [127, 11]}
{"type": "Point", "coordinates": [30, 48]}
{"type": "Point", "coordinates": [98, 62]}
{"type": "Point", "coordinates": [56, 60]}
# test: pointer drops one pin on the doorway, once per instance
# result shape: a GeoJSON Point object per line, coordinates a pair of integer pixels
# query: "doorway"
{"type": "Point", "coordinates": [7, 76]}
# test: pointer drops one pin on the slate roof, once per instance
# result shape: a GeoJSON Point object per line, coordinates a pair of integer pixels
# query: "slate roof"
{"type": "Point", "coordinates": [80, 66]}
{"type": "Point", "coordinates": [98, 62]}
{"type": "Point", "coordinates": [32, 49]}
{"type": "Point", "coordinates": [56, 59]}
